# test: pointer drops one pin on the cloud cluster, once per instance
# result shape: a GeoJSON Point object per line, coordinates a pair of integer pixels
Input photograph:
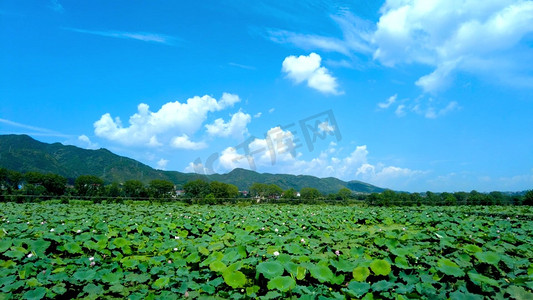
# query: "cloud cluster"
{"type": "Point", "coordinates": [174, 122]}
{"type": "Point", "coordinates": [428, 109]}
{"type": "Point", "coordinates": [236, 127]}
{"type": "Point", "coordinates": [307, 68]}
{"type": "Point", "coordinates": [86, 142]}
{"type": "Point", "coordinates": [484, 38]}
{"type": "Point", "coordinates": [277, 152]}
{"type": "Point", "coordinates": [471, 36]}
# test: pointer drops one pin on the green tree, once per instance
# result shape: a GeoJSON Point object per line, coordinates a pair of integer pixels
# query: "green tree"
{"type": "Point", "coordinates": [308, 193]}
{"type": "Point", "coordinates": [88, 185]}
{"type": "Point", "coordinates": [416, 199]}
{"type": "Point", "coordinates": [113, 190]}
{"type": "Point", "coordinates": [33, 178]}
{"type": "Point", "coordinates": [219, 190]}
{"type": "Point", "coordinates": [528, 198]}
{"type": "Point", "coordinates": [374, 199]}
{"type": "Point", "coordinates": [232, 190]}
{"type": "Point", "coordinates": [258, 190]}
{"type": "Point", "coordinates": [33, 189]}
{"type": "Point", "coordinates": [389, 198]}
{"type": "Point", "coordinates": [273, 191]}
{"type": "Point", "coordinates": [134, 188]}
{"type": "Point", "coordinates": [289, 194]}
{"type": "Point", "coordinates": [196, 188]}
{"type": "Point", "coordinates": [55, 184]}
{"type": "Point", "coordinates": [448, 199]}
{"type": "Point", "coordinates": [160, 188]}
{"type": "Point", "coordinates": [431, 198]}
{"type": "Point", "coordinates": [10, 180]}
{"type": "Point", "coordinates": [210, 199]}
{"type": "Point", "coordinates": [345, 193]}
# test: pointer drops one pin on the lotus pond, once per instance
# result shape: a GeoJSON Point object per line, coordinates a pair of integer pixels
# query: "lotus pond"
{"type": "Point", "coordinates": [264, 251]}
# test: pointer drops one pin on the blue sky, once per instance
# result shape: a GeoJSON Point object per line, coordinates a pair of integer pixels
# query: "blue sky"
{"type": "Point", "coordinates": [408, 95]}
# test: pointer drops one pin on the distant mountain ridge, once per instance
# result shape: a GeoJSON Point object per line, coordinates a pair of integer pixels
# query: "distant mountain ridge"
{"type": "Point", "coordinates": [23, 154]}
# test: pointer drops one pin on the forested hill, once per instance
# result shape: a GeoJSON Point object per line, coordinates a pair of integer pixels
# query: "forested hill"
{"type": "Point", "coordinates": [22, 153]}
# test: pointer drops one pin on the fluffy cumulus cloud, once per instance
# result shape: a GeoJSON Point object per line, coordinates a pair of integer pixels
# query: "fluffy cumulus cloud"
{"type": "Point", "coordinates": [488, 39]}
{"type": "Point", "coordinates": [86, 142]}
{"type": "Point", "coordinates": [308, 69]}
{"type": "Point", "coordinates": [236, 127]}
{"type": "Point", "coordinates": [162, 163]}
{"type": "Point", "coordinates": [278, 153]}
{"type": "Point", "coordinates": [184, 142]}
{"type": "Point", "coordinates": [155, 128]}
{"type": "Point", "coordinates": [472, 36]}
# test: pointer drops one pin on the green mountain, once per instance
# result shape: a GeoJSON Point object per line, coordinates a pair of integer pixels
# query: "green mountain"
{"type": "Point", "coordinates": [23, 153]}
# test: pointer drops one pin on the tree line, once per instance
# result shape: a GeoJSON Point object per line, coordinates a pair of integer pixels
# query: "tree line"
{"type": "Point", "coordinates": [31, 186]}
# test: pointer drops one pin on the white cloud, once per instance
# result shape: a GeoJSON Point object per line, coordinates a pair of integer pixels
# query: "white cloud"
{"type": "Point", "coordinates": [488, 39]}
{"type": "Point", "coordinates": [307, 68]}
{"type": "Point", "coordinates": [147, 127]}
{"type": "Point", "coordinates": [87, 142]}
{"type": "Point", "coordinates": [139, 36]}
{"type": "Point", "coordinates": [197, 168]}
{"type": "Point", "coordinates": [356, 35]}
{"type": "Point", "coordinates": [388, 103]}
{"type": "Point", "coordinates": [431, 112]}
{"type": "Point", "coordinates": [56, 6]}
{"type": "Point", "coordinates": [184, 142]}
{"type": "Point", "coordinates": [452, 36]}
{"type": "Point", "coordinates": [230, 159]}
{"type": "Point", "coordinates": [271, 110]}
{"type": "Point", "coordinates": [326, 127]}
{"type": "Point", "coordinates": [258, 115]}
{"type": "Point", "coordinates": [400, 110]}
{"type": "Point", "coordinates": [236, 127]}
{"type": "Point", "coordinates": [277, 153]}
{"type": "Point", "coordinates": [162, 164]}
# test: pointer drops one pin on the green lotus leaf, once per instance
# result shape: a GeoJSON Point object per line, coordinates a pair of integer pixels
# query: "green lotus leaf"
{"type": "Point", "coordinates": [217, 266]}
{"type": "Point", "coordinates": [5, 244]}
{"type": "Point", "coordinates": [161, 282]}
{"type": "Point", "coordinates": [16, 254]}
{"type": "Point", "coordinates": [322, 273]}
{"type": "Point", "coordinates": [270, 269]}
{"type": "Point", "coordinates": [448, 267]}
{"type": "Point", "coordinates": [121, 242]}
{"type": "Point", "coordinates": [85, 275]}
{"type": "Point", "coordinates": [380, 267]}
{"type": "Point", "coordinates": [360, 273]}
{"type": "Point", "coordinates": [281, 283]}
{"type": "Point", "coordinates": [39, 246]}
{"type": "Point", "coordinates": [382, 285]}
{"type": "Point", "coordinates": [470, 248]}
{"type": "Point", "coordinates": [73, 248]}
{"type": "Point", "coordinates": [519, 293]}
{"type": "Point", "coordinates": [358, 288]}
{"type": "Point", "coordinates": [401, 262]}
{"type": "Point", "coordinates": [93, 290]}
{"type": "Point", "coordinates": [481, 279]}
{"type": "Point", "coordinates": [112, 277]}
{"type": "Point", "coordinates": [235, 279]}
{"type": "Point", "coordinates": [343, 265]}
{"type": "Point", "coordinates": [489, 257]}
{"type": "Point", "coordinates": [35, 294]}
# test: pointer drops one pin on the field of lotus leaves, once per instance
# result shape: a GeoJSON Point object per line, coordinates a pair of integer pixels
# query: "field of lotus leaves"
{"type": "Point", "coordinates": [170, 251]}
